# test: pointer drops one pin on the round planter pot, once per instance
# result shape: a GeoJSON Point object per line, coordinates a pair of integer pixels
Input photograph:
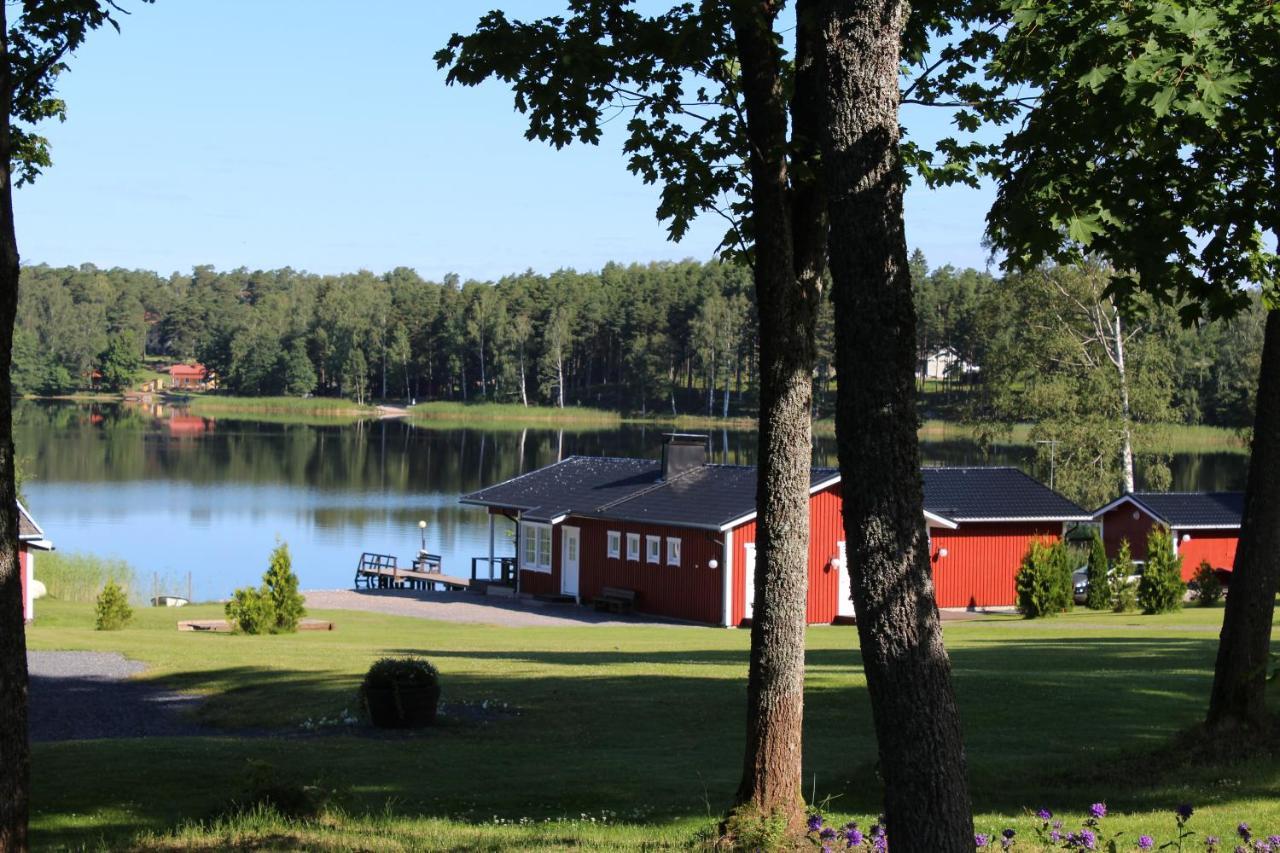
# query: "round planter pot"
{"type": "Point", "coordinates": [403, 707]}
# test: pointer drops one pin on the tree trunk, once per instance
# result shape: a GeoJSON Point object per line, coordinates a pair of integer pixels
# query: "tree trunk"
{"type": "Point", "coordinates": [15, 755]}
{"type": "Point", "coordinates": [1239, 677]}
{"type": "Point", "coordinates": [785, 286]}
{"type": "Point", "coordinates": [908, 673]}
{"type": "Point", "coordinates": [1126, 416]}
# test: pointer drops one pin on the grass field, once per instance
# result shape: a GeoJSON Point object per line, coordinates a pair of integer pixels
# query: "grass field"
{"type": "Point", "coordinates": [280, 407]}
{"type": "Point", "coordinates": [622, 736]}
{"type": "Point", "coordinates": [514, 415]}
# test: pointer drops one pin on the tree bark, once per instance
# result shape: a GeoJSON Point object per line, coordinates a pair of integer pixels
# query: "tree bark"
{"type": "Point", "coordinates": [917, 724]}
{"type": "Point", "coordinates": [771, 776]}
{"type": "Point", "coordinates": [15, 754]}
{"type": "Point", "coordinates": [1126, 452]}
{"type": "Point", "coordinates": [1238, 698]}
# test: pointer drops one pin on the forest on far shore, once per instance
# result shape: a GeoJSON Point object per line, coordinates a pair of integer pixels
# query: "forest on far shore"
{"type": "Point", "coordinates": [677, 337]}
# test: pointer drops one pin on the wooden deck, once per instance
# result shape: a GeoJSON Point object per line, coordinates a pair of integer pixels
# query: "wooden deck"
{"type": "Point", "coordinates": [222, 626]}
{"type": "Point", "coordinates": [413, 579]}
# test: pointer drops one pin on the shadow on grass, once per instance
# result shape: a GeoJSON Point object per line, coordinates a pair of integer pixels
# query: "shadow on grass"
{"type": "Point", "coordinates": [657, 735]}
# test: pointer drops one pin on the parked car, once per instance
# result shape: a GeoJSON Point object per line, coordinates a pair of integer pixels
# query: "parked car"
{"type": "Point", "coordinates": [1080, 579]}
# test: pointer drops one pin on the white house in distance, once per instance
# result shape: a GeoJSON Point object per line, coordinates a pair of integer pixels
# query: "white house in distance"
{"type": "Point", "coordinates": [944, 363]}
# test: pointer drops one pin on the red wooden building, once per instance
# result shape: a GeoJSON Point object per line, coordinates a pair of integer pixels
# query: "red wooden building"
{"type": "Point", "coordinates": [1205, 526]}
{"type": "Point", "coordinates": [681, 533]}
{"type": "Point", "coordinates": [981, 522]}
{"type": "Point", "coordinates": [30, 539]}
{"type": "Point", "coordinates": [188, 376]}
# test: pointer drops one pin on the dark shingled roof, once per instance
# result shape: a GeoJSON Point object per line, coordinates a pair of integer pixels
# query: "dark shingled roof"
{"type": "Point", "coordinates": [27, 527]}
{"type": "Point", "coordinates": [990, 494]}
{"type": "Point", "coordinates": [631, 490]}
{"type": "Point", "coordinates": [1193, 509]}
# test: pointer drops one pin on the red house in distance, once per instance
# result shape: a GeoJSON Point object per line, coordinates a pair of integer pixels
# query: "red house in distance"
{"type": "Point", "coordinates": [30, 539]}
{"type": "Point", "coordinates": [680, 533]}
{"type": "Point", "coordinates": [1205, 525]}
{"type": "Point", "coordinates": [188, 376]}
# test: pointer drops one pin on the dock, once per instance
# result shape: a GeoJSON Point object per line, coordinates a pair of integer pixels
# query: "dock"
{"type": "Point", "coordinates": [222, 626]}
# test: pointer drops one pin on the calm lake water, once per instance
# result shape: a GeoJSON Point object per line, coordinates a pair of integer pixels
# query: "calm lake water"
{"type": "Point", "coordinates": [175, 494]}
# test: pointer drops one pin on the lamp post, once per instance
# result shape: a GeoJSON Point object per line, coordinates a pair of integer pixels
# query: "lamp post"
{"type": "Point", "coordinates": [422, 530]}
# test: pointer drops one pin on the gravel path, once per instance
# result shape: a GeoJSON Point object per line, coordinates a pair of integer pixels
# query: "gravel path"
{"type": "Point", "coordinates": [87, 695]}
{"type": "Point", "coordinates": [468, 607]}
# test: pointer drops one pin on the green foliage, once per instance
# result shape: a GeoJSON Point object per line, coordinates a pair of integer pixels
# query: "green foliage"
{"type": "Point", "coordinates": [1208, 586]}
{"type": "Point", "coordinates": [267, 789]}
{"type": "Point", "coordinates": [1099, 593]}
{"type": "Point", "coordinates": [72, 576]}
{"type": "Point", "coordinates": [1161, 588]}
{"type": "Point", "coordinates": [747, 828]}
{"type": "Point", "coordinates": [251, 610]}
{"type": "Point", "coordinates": [275, 607]}
{"type": "Point", "coordinates": [121, 361]}
{"type": "Point", "coordinates": [1124, 594]}
{"type": "Point", "coordinates": [112, 611]}
{"type": "Point", "coordinates": [281, 585]}
{"type": "Point", "coordinates": [1043, 582]}
{"type": "Point", "coordinates": [400, 672]}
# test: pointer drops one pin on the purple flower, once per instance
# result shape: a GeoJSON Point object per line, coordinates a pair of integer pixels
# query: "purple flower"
{"type": "Point", "coordinates": [1008, 833]}
{"type": "Point", "coordinates": [1211, 841]}
{"type": "Point", "coordinates": [1273, 840]}
{"type": "Point", "coordinates": [1057, 824]}
{"type": "Point", "coordinates": [1055, 836]}
{"type": "Point", "coordinates": [1145, 842]}
{"type": "Point", "coordinates": [981, 840]}
{"type": "Point", "coordinates": [827, 834]}
{"type": "Point", "coordinates": [853, 835]}
{"type": "Point", "coordinates": [1243, 831]}
{"type": "Point", "coordinates": [1184, 811]}
{"type": "Point", "coordinates": [815, 822]}
{"type": "Point", "coordinates": [1082, 840]}
{"type": "Point", "coordinates": [1044, 814]}
{"type": "Point", "coordinates": [1098, 810]}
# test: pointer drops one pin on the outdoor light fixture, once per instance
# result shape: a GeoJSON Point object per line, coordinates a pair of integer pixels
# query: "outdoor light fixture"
{"type": "Point", "coordinates": [1186, 537]}
{"type": "Point", "coordinates": [422, 530]}
{"type": "Point", "coordinates": [713, 563]}
{"type": "Point", "coordinates": [942, 552]}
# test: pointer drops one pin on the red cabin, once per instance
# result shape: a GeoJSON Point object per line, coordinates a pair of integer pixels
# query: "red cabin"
{"type": "Point", "coordinates": [188, 376]}
{"type": "Point", "coordinates": [981, 523]}
{"type": "Point", "coordinates": [1205, 526]}
{"type": "Point", "coordinates": [680, 533]}
{"type": "Point", "coordinates": [30, 539]}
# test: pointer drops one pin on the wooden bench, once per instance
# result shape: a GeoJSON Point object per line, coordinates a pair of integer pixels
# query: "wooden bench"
{"type": "Point", "coordinates": [616, 600]}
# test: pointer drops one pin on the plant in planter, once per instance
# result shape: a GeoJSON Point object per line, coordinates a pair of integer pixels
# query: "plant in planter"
{"type": "Point", "coordinates": [401, 693]}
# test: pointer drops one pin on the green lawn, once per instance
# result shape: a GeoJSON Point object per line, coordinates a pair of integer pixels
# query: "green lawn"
{"type": "Point", "coordinates": [281, 409]}
{"type": "Point", "coordinates": [622, 736]}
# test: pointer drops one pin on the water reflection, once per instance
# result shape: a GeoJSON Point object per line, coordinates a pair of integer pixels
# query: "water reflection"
{"type": "Point", "coordinates": [172, 492]}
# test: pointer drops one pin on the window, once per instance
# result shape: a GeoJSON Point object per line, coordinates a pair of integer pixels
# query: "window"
{"type": "Point", "coordinates": [633, 546]}
{"type": "Point", "coordinates": [535, 550]}
{"type": "Point", "coordinates": [615, 545]}
{"type": "Point", "coordinates": [653, 549]}
{"type": "Point", "coordinates": [673, 551]}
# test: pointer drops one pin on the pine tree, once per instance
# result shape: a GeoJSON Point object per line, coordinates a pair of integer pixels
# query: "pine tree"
{"type": "Point", "coordinates": [281, 584]}
{"type": "Point", "coordinates": [1099, 595]}
{"type": "Point", "coordinates": [1161, 588]}
{"type": "Point", "coordinates": [1122, 592]}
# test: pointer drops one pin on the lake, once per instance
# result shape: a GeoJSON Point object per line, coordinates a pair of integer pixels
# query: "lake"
{"type": "Point", "coordinates": [175, 494]}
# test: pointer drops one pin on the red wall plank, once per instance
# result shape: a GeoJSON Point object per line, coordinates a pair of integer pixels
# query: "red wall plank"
{"type": "Point", "coordinates": [982, 560]}
{"type": "Point", "coordinates": [1216, 546]}
{"type": "Point", "coordinates": [1120, 524]}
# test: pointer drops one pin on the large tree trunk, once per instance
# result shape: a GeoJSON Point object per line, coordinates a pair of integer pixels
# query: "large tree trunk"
{"type": "Point", "coordinates": [15, 755]}
{"type": "Point", "coordinates": [771, 776]}
{"type": "Point", "coordinates": [908, 673]}
{"type": "Point", "coordinates": [1239, 677]}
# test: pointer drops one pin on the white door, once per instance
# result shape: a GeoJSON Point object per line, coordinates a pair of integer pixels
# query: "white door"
{"type": "Point", "coordinates": [569, 543]}
{"type": "Point", "coordinates": [750, 571]}
{"type": "Point", "coordinates": [844, 607]}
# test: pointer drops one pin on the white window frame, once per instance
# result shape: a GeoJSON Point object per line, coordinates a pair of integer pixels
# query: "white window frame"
{"type": "Point", "coordinates": [540, 536]}
{"type": "Point", "coordinates": [613, 546]}
{"type": "Point", "coordinates": [653, 549]}
{"type": "Point", "coordinates": [673, 550]}
{"type": "Point", "coordinates": [633, 547]}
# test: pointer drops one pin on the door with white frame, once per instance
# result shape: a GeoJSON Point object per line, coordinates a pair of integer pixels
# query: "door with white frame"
{"type": "Point", "coordinates": [570, 544]}
{"type": "Point", "coordinates": [749, 569]}
{"type": "Point", "coordinates": [844, 607]}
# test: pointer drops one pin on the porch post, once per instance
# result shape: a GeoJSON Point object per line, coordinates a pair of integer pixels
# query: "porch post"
{"type": "Point", "coordinates": [490, 546]}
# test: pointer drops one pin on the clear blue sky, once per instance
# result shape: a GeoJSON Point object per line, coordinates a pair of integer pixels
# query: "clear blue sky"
{"type": "Point", "coordinates": [319, 135]}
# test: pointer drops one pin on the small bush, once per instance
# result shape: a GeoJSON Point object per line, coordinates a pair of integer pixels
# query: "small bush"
{"type": "Point", "coordinates": [251, 610]}
{"type": "Point", "coordinates": [113, 611]}
{"type": "Point", "coordinates": [276, 606]}
{"type": "Point", "coordinates": [1206, 580]}
{"type": "Point", "coordinates": [1124, 595]}
{"type": "Point", "coordinates": [1161, 588]}
{"type": "Point", "coordinates": [1044, 581]}
{"type": "Point", "coordinates": [266, 789]}
{"type": "Point", "coordinates": [400, 672]}
{"type": "Point", "coordinates": [1099, 592]}
{"type": "Point", "coordinates": [282, 585]}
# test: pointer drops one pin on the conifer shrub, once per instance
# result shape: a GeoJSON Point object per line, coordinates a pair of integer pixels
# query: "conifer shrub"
{"type": "Point", "coordinates": [1206, 581]}
{"type": "Point", "coordinates": [281, 584]}
{"type": "Point", "coordinates": [1043, 582]}
{"type": "Point", "coordinates": [1098, 596]}
{"type": "Point", "coordinates": [1161, 588]}
{"type": "Point", "coordinates": [276, 607]}
{"type": "Point", "coordinates": [112, 611]}
{"type": "Point", "coordinates": [1124, 595]}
